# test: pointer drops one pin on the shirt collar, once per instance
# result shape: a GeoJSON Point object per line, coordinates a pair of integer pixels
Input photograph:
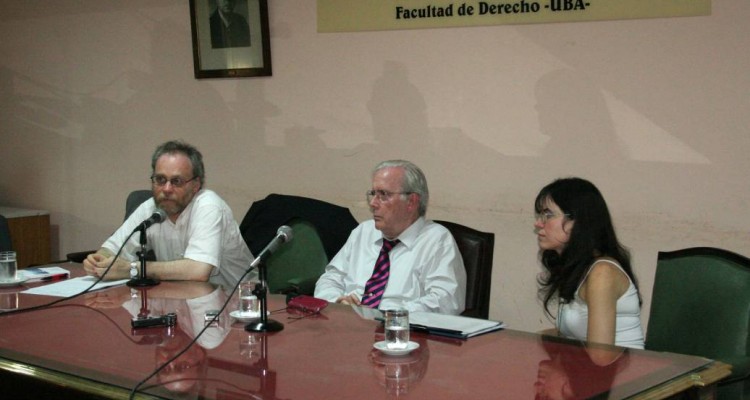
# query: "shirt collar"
{"type": "Point", "coordinates": [409, 236]}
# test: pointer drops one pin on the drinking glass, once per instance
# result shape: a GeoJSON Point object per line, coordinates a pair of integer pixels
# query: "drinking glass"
{"type": "Point", "coordinates": [396, 329]}
{"type": "Point", "coordinates": [249, 303]}
{"type": "Point", "coordinates": [8, 266]}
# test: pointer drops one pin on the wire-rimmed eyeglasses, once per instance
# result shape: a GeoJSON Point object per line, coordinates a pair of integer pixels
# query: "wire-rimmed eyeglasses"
{"type": "Point", "coordinates": [546, 215]}
{"type": "Point", "coordinates": [178, 182]}
{"type": "Point", "coordinates": [382, 195]}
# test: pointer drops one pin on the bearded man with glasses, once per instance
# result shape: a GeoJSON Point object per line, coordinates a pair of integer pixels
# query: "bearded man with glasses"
{"type": "Point", "coordinates": [199, 240]}
{"type": "Point", "coordinates": [397, 259]}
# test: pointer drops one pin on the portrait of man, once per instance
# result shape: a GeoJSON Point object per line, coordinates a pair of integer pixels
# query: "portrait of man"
{"type": "Point", "coordinates": [228, 28]}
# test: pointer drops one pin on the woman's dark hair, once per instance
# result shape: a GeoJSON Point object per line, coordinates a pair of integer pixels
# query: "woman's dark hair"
{"type": "Point", "coordinates": [592, 236]}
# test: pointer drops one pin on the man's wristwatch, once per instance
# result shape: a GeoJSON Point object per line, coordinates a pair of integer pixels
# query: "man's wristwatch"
{"type": "Point", "coordinates": [133, 269]}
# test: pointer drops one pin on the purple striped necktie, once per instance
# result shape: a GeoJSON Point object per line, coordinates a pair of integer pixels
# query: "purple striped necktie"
{"type": "Point", "coordinates": [376, 284]}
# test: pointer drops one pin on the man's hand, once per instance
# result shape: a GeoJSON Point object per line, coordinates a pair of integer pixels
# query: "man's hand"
{"type": "Point", "coordinates": [351, 299]}
{"type": "Point", "coordinates": [96, 264]}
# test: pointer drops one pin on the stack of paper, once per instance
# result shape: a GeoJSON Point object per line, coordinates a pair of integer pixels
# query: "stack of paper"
{"type": "Point", "coordinates": [71, 287]}
{"type": "Point", "coordinates": [33, 274]}
{"type": "Point", "coordinates": [452, 325]}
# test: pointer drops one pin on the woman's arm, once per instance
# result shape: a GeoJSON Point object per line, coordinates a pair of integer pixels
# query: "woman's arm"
{"type": "Point", "coordinates": [603, 286]}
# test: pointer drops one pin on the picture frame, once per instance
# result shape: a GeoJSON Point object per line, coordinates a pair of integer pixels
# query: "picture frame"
{"type": "Point", "coordinates": [231, 44]}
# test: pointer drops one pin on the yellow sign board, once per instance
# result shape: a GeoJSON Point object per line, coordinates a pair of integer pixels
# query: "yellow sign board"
{"type": "Point", "coordinates": [374, 15]}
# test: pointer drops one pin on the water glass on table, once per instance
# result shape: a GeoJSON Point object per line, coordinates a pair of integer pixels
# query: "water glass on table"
{"type": "Point", "coordinates": [8, 266]}
{"type": "Point", "coordinates": [397, 329]}
{"type": "Point", "coordinates": [249, 303]}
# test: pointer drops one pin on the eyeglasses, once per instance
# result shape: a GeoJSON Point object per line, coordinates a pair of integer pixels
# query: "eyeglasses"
{"type": "Point", "coordinates": [178, 182]}
{"type": "Point", "coordinates": [546, 215]}
{"type": "Point", "coordinates": [382, 195]}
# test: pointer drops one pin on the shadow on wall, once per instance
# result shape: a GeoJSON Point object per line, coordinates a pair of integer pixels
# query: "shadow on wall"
{"type": "Point", "coordinates": [573, 114]}
{"type": "Point", "coordinates": [450, 159]}
{"type": "Point", "coordinates": [577, 115]}
{"type": "Point", "coordinates": [147, 106]}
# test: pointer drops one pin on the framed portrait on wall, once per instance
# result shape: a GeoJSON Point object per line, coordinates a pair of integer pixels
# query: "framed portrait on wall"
{"type": "Point", "coordinates": [230, 38]}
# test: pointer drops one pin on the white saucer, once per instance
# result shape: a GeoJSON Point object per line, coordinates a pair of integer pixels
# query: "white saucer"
{"type": "Point", "coordinates": [12, 283]}
{"type": "Point", "coordinates": [396, 352]}
{"type": "Point", "coordinates": [244, 317]}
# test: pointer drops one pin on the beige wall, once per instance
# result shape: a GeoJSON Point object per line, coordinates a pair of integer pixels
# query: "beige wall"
{"type": "Point", "coordinates": [655, 112]}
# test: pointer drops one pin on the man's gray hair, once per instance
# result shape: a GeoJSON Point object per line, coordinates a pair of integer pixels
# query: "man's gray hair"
{"type": "Point", "coordinates": [414, 181]}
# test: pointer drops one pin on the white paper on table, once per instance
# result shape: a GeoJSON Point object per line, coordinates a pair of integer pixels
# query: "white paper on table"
{"type": "Point", "coordinates": [35, 274]}
{"type": "Point", "coordinates": [453, 325]}
{"type": "Point", "coordinates": [70, 287]}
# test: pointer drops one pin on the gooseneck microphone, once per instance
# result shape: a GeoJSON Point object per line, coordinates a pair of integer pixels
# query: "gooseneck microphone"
{"type": "Point", "coordinates": [156, 218]}
{"type": "Point", "coordinates": [283, 234]}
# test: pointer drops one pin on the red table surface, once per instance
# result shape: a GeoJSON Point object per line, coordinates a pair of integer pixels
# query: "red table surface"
{"type": "Point", "coordinates": [324, 356]}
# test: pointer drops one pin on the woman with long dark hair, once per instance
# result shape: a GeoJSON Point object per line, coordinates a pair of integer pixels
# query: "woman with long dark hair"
{"type": "Point", "coordinates": [586, 269]}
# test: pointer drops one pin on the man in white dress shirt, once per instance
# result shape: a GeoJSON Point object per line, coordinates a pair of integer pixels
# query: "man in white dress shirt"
{"type": "Point", "coordinates": [426, 271]}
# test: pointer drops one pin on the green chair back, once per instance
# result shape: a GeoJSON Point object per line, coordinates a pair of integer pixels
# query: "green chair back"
{"type": "Point", "coordinates": [297, 265]}
{"type": "Point", "coordinates": [701, 306]}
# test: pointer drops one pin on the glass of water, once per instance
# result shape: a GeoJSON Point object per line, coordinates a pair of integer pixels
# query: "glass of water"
{"type": "Point", "coordinates": [8, 266]}
{"type": "Point", "coordinates": [249, 303]}
{"type": "Point", "coordinates": [397, 329]}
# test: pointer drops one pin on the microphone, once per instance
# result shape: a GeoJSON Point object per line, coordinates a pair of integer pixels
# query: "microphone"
{"type": "Point", "coordinates": [142, 279]}
{"type": "Point", "coordinates": [156, 218]}
{"type": "Point", "coordinates": [283, 235]}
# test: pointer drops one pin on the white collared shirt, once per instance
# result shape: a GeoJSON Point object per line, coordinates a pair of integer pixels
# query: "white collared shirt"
{"type": "Point", "coordinates": [205, 231]}
{"type": "Point", "coordinates": [427, 272]}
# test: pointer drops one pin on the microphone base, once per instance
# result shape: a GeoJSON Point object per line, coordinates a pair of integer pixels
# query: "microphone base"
{"type": "Point", "coordinates": [142, 282]}
{"type": "Point", "coordinates": [264, 326]}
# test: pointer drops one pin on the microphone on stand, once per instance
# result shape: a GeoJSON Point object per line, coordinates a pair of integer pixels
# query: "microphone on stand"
{"type": "Point", "coordinates": [283, 234]}
{"type": "Point", "coordinates": [263, 324]}
{"type": "Point", "coordinates": [142, 280]}
{"type": "Point", "coordinates": [156, 218]}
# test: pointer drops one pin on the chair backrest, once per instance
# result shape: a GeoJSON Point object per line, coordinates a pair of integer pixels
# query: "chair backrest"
{"type": "Point", "coordinates": [135, 199]}
{"type": "Point", "coordinates": [333, 223]}
{"type": "Point", "coordinates": [6, 244]}
{"type": "Point", "coordinates": [297, 265]}
{"type": "Point", "coordinates": [701, 305]}
{"type": "Point", "coordinates": [476, 249]}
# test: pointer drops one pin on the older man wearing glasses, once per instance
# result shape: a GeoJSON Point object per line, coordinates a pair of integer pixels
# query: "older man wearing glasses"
{"type": "Point", "coordinates": [199, 240]}
{"type": "Point", "coordinates": [398, 259]}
